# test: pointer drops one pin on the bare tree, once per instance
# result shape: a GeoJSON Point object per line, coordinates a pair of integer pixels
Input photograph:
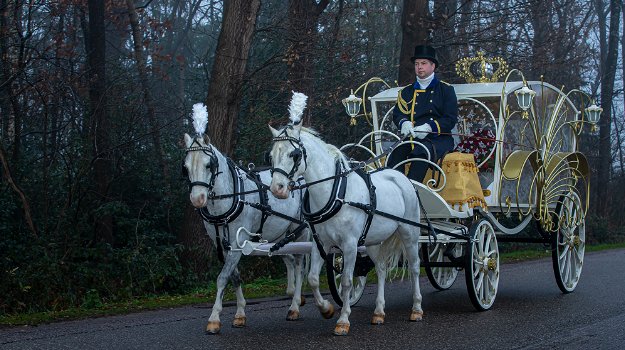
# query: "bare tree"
{"type": "Point", "coordinates": [414, 27]}
{"type": "Point", "coordinates": [99, 122]}
{"type": "Point", "coordinates": [233, 46]}
{"type": "Point", "coordinates": [608, 71]}
{"type": "Point", "coordinates": [145, 85]}
{"type": "Point", "coordinates": [300, 56]}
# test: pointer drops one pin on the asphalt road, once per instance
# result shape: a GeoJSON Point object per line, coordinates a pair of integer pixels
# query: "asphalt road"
{"type": "Point", "coordinates": [529, 313]}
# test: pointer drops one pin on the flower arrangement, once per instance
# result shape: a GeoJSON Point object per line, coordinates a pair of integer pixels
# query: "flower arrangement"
{"type": "Point", "coordinates": [480, 143]}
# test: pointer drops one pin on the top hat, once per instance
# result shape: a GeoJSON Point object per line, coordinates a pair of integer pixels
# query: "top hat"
{"type": "Point", "coordinates": [424, 51]}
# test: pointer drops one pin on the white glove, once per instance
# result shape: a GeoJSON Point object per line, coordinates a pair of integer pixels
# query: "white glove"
{"type": "Point", "coordinates": [422, 130]}
{"type": "Point", "coordinates": [406, 128]}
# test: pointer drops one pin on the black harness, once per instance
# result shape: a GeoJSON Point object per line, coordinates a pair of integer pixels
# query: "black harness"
{"type": "Point", "coordinates": [337, 197]}
{"type": "Point", "coordinates": [298, 153]}
{"type": "Point", "coordinates": [222, 220]}
{"type": "Point", "coordinates": [335, 203]}
{"type": "Point", "coordinates": [238, 195]}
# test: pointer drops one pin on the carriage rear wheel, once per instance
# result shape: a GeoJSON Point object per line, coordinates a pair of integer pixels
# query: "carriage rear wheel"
{"type": "Point", "coordinates": [482, 265]}
{"type": "Point", "coordinates": [441, 278]}
{"type": "Point", "coordinates": [334, 270]}
{"type": "Point", "coordinates": [568, 243]}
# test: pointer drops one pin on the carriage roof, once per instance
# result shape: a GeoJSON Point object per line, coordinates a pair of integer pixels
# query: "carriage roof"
{"type": "Point", "coordinates": [470, 90]}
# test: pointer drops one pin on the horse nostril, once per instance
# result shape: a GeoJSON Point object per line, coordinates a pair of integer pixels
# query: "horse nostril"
{"type": "Point", "coordinates": [280, 186]}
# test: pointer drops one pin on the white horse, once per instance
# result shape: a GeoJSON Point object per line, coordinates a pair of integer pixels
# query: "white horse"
{"type": "Point", "coordinates": [386, 240]}
{"type": "Point", "coordinates": [214, 179]}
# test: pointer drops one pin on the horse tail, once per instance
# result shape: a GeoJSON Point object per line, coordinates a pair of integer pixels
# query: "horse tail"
{"type": "Point", "coordinates": [392, 253]}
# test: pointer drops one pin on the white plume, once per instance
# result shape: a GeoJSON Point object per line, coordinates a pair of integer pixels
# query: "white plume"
{"type": "Point", "coordinates": [200, 118]}
{"type": "Point", "coordinates": [296, 109]}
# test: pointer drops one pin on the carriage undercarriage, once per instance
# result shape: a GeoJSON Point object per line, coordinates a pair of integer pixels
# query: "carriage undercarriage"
{"type": "Point", "coordinates": [469, 243]}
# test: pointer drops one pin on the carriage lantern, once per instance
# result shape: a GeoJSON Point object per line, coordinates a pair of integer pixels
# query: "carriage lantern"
{"type": "Point", "coordinates": [593, 112]}
{"type": "Point", "coordinates": [524, 97]}
{"type": "Point", "coordinates": [352, 106]}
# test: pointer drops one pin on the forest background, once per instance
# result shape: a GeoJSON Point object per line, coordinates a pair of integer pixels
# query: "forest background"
{"type": "Point", "coordinates": [95, 96]}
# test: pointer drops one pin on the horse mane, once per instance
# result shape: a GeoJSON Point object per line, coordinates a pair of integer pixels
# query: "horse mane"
{"type": "Point", "coordinates": [333, 150]}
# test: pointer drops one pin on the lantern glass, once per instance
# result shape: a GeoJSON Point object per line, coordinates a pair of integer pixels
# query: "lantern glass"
{"type": "Point", "coordinates": [524, 97]}
{"type": "Point", "coordinates": [352, 105]}
{"type": "Point", "coordinates": [593, 113]}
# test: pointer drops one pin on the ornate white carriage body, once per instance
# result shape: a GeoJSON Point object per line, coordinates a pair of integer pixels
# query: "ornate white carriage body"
{"type": "Point", "coordinates": [524, 138]}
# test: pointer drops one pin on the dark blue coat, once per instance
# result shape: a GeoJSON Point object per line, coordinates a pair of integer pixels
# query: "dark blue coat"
{"type": "Point", "coordinates": [437, 105]}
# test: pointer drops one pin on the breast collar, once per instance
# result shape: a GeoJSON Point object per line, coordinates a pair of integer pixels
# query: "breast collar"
{"type": "Point", "coordinates": [334, 203]}
{"type": "Point", "coordinates": [237, 201]}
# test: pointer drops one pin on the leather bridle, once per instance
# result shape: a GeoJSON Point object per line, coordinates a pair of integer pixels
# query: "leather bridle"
{"type": "Point", "coordinates": [298, 153]}
{"type": "Point", "coordinates": [213, 167]}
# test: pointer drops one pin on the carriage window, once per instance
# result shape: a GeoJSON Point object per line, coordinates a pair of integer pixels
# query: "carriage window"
{"type": "Point", "coordinates": [477, 133]}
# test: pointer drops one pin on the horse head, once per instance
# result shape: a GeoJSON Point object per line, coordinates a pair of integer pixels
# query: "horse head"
{"type": "Point", "coordinates": [201, 165]}
{"type": "Point", "coordinates": [288, 159]}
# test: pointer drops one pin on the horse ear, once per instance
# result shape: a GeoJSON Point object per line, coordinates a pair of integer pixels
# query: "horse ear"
{"type": "Point", "coordinates": [274, 132]}
{"type": "Point", "coordinates": [207, 139]}
{"type": "Point", "coordinates": [188, 140]}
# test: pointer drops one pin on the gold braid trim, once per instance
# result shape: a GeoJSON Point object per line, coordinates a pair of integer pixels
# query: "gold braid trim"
{"type": "Point", "coordinates": [402, 104]}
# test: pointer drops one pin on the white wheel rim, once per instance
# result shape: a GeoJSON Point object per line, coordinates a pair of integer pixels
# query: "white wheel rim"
{"type": "Point", "coordinates": [571, 242]}
{"type": "Point", "coordinates": [485, 261]}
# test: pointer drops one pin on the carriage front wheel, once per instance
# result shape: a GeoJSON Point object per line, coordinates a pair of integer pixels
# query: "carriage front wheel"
{"type": "Point", "coordinates": [568, 242]}
{"type": "Point", "coordinates": [482, 265]}
{"type": "Point", "coordinates": [334, 270]}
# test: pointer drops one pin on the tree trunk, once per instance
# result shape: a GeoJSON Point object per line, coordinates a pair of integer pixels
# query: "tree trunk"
{"type": "Point", "coordinates": [224, 93]}
{"type": "Point", "coordinates": [414, 32]}
{"type": "Point", "coordinates": [5, 74]}
{"type": "Point", "coordinates": [605, 123]}
{"type": "Point", "coordinates": [303, 18]}
{"type": "Point", "coordinates": [99, 123]}
{"type": "Point", "coordinates": [539, 12]}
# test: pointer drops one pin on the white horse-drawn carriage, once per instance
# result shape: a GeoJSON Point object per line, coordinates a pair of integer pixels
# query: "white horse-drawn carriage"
{"type": "Point", "coordinates": [523, 136]}
{"type": "Point", "coordinates": [519, 164]}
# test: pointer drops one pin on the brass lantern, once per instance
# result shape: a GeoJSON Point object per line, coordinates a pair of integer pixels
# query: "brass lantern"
{"type": "Point", "coordinates": [524, 97]}
{"type": "Point", "coordinates": [593, 113]}
{"type": "Point", "coordinates": [352, 106]}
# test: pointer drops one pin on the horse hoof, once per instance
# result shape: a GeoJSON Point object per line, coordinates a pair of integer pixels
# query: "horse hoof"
{"type": "Point", "coordinates": [416, 316]}
{"type": "Point", "coordinates": [378, 319]}
{"type": "Point", "coordinates": [238, 322]}
{"type": "Point", "coordinates": [213, 327]}
{"type": "Point", "coordinates": [302, 300]}
{"type": "Point", "coordinates": [341, 329]}
{"type": "Point", "coordinates": [293, 315]}
{"type": "Point", "coordinates": [329, 313]}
